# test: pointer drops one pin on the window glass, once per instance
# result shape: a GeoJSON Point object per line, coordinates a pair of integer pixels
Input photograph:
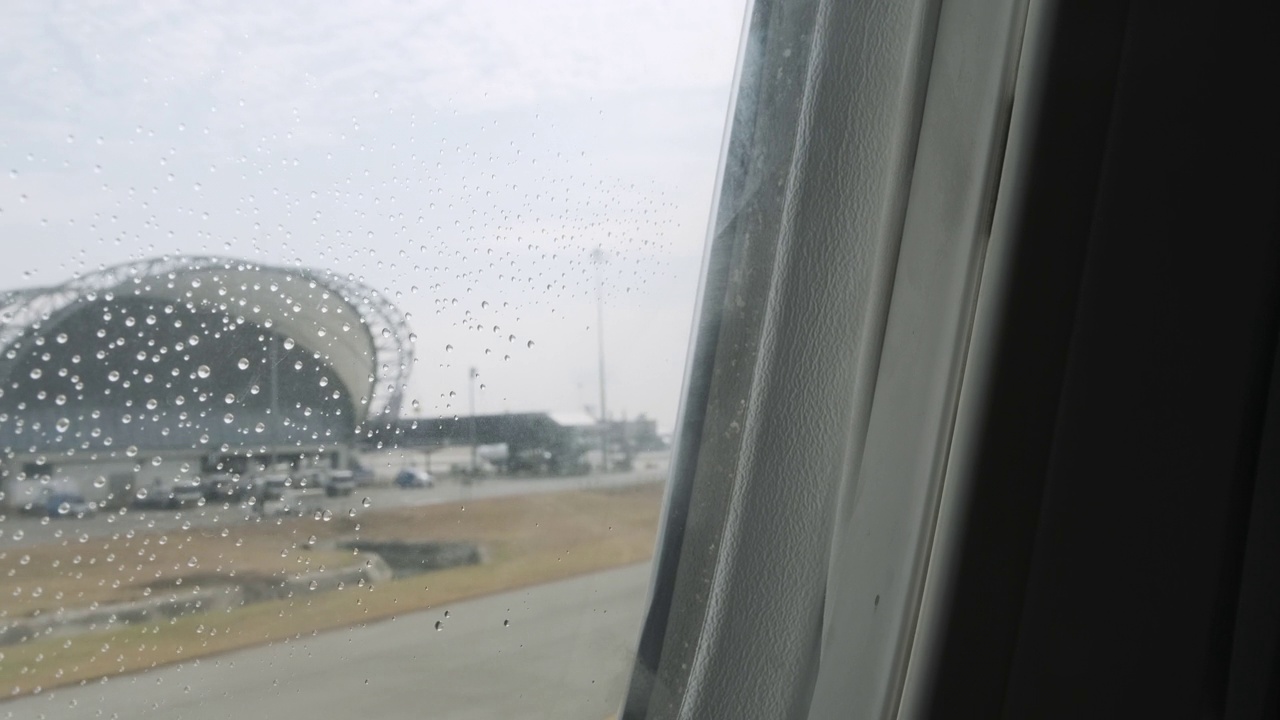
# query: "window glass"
{"type": "Point", "coordinates": [341, 348]}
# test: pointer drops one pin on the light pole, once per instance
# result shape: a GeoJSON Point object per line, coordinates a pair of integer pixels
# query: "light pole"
{"type": "Point", "coordinates": [597, 258]}
{"type": "Point", "coordinates": [474, 448]}
{"type": "Point", "coordinates": [273, 344]}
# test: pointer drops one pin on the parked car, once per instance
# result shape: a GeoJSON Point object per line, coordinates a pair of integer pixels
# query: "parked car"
{"type": "Point", "coordinates": [310, 478]}
{"type": "Point", "coordinates": [340, 482]}
{"type": "Point", "coordinates": [362, 475]}
{"type": "Point", "coordinates": [66, 504]}
{"type": "Point", "coordinates": [186, 492]}
{"type": "Point", "coordinates": [414, 478]}
{"type": "Point", "coordinates": [230, 487]}
{"type": "Point", "coordinates": [170, 495]}
{"type": "Point", "coordinates": [273, 486]}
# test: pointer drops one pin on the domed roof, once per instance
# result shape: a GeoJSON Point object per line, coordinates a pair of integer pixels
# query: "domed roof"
{"type": "Point", "coordinates": [345, 324]}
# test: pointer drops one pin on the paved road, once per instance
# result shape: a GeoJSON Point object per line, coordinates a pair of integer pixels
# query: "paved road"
{"type": "Point", "coordinates": [18, 531]}
{"type": "Point", "coordinates": [566, 655]}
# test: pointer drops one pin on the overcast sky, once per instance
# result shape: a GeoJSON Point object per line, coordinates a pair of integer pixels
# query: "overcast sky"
{"type": "Point", "coordinates": [461, 157]}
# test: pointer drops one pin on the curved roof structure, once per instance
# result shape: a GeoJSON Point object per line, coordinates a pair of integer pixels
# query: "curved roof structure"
{"type": "Point", "coordinates": [348, 326]}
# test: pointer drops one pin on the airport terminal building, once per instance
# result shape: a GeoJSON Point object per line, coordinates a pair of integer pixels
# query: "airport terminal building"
{"type": "Point", "coordinates": [157, 371]}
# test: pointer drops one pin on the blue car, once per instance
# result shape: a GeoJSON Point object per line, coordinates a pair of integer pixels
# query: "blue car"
{"type": "Point", "coordinates": [414, 478]}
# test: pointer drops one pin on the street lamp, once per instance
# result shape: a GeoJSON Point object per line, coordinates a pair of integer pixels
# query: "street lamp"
{"type": "Point", "coordinates": [474, 448]}
{"type": "Point", "coordinates": [598, 259]}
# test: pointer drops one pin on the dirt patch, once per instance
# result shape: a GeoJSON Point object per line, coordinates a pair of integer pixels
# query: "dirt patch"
{"type": "Point", "coordinates": [131, 565]}
{"type": "Point", "coordinates": [529, 540]}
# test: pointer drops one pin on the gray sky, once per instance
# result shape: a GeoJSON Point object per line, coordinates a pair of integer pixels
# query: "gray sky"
{"type": "Point", "coordinates": [461, 157]}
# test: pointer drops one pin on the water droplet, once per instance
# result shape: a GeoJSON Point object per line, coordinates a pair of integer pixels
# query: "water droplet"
{"type": "Point", "coordinates": [243, 364]}
{"type": "Point", "coordinates": [529, 344]}
{"type": "Point", "coordinates": [228, 418]}
{"type": "Point", "coordinates": [259, 427]}
{"type": "Point", "coordinates": [313, 585]}
{"type": "Point", "coordinates": [366, 502]}
{"type": "Point", "coordinates": [506, 623]}
{"type": "Point", "coordinates": [36, 373]}
{"type": "Point", "coordinates": [131, 451]}
{"type": "Point", "coordinates": [439, 625]}
{"type": "Point", "coordinates": [203, 371]}
{"type": "Point", "coordinates": [288, 343]}
{"type": "Point", "coordinates": [192, 562]}
{"type": "Point", "coordinates": [62, 425]}
{"type": "Point", "coordinates": [230, 398]}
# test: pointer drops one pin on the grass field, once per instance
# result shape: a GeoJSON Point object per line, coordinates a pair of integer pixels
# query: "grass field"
{"type": "Point", "coordinates": [527, 540]}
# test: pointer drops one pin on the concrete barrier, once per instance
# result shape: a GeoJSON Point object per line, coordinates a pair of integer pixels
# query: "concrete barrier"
{"type": "Point", "coordinates": [407, 559]}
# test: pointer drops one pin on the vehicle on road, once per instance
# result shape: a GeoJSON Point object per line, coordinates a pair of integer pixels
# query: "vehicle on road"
{"type": "Point", "coordinates": [414, 478]}
{"type": "Point", "coordinates": [186, 492]}
{"type": "Point", "coordinates": [361, 475]}
{"type": "Point", "coordinates": [230, 487]}
{"type": "Point", "coordinates": [310, 479]}
{"type": "Point", "coordinates": [181, 493]}
{"type": "Point", "coordinates": [66, 505]}
{"type": "Point", "coordinates": [273, 486]}
{"type": "Point", "coordinates": [340, 483]}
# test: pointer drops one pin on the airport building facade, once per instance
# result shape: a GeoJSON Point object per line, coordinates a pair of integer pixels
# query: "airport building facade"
{"type": "Point", "coordinates": [158, 372]}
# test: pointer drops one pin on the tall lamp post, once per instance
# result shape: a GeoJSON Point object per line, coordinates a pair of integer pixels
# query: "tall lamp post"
{"type": "Point", "coordinates": [598, 259]}
{"type": "Point", "coordinates": [474, 447]}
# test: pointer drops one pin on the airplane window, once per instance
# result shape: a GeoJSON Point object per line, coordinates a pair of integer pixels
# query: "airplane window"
{"type": "Point", "coordinates": [341, 347]}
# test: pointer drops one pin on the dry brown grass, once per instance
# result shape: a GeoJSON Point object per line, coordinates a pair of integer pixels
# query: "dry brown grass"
{"type": "Point", "coordinates": [124, 567]}
{"type": "Point", "coordinates": [528, 540]}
